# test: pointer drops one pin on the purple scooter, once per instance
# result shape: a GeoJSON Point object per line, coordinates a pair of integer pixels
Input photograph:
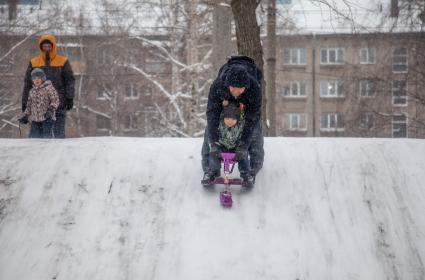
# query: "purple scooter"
{"type": "Point", "coordinates": [229, 161]}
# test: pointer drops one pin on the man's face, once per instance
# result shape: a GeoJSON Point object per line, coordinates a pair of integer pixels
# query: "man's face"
{"type": "Point", "coordinates": [236, 91]}
{"type": "Point", "coordinates": [229, 122]}
{"type": "Point", "coordinates": [46, 47]}
{"type": "Point", "coordinates": [37, 81]}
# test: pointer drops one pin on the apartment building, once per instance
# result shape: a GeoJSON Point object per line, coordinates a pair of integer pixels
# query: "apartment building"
{"type": "Point", "coordinates": [369, 85]}
{"type": "Point", "coordinates": [353, 85]}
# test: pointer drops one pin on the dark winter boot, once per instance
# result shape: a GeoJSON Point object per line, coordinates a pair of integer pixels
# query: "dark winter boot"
{"type": "Point", "coordinates": [255, 168]}
{"type": "Point", "coordinates": [247, 180]}
{"type": "Point", "coordinates": [209, 178]}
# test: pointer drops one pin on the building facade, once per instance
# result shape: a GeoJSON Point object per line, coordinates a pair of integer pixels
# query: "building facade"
{"type": "Point", "coordinates": [121, 85]}
{"type": "Point", "coordinates": [352, 85]}
{"type": "Point", "coordinates": [359, 85]}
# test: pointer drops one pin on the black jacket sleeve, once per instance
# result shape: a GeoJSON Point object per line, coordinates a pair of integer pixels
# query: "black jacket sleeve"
{"type": "Point", "coordinates": [68, 80]}
{"type": "Point", "coordinates": [252, 114]}
{"type": "Point", "coordinates": [214, 108]}
{"type": "Point", "coordinates": [27, 87]}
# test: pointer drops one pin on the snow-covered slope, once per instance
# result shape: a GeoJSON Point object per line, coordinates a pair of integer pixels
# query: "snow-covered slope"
{"type": "Point", "coordinates": [129, 208]}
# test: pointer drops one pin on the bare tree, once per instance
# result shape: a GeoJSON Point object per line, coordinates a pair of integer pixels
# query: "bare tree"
{"type": "Point", "coordinates": [248, 40]}
{"type": "Point", "coordinates": [183, 51]}
{"type": "Point", "coordinates": [25, 23]}
{"type": "Point", "coordinates": [222, 33]}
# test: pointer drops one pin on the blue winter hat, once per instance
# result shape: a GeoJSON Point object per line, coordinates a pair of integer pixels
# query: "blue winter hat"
{"type": "Point", "coordinates": [237, 77]}
{"type": "Point", "coordinates": [38, 73]}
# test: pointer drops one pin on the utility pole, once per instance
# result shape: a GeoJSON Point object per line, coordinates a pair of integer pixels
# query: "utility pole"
{"type": "Point", "coordinates": [192, 58]}
{"type": "Point", "coordinates": [271, 67]}
{"type": "Point", "coordinates": [13, 4]}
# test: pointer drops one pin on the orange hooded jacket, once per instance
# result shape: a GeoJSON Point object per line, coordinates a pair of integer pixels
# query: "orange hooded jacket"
{"type": "Point", "coordinates": [57, 69]}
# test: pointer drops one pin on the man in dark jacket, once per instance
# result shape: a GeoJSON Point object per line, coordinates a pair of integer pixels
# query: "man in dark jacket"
{"type": "Point", "coordinates": [58, 70]}
{"type": "Point", "coordinates": [237, 85]}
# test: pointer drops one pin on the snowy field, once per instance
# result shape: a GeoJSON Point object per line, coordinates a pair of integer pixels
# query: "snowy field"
{"type": "Point", "coordinates": [133, 208]}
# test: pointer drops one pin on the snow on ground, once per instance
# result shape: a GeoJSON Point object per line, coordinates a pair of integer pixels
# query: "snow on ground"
{"type": "Point", "coordinates": [133, 208]}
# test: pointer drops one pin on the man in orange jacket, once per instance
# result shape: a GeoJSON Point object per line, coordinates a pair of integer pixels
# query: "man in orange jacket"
{"type": "Point", "coordinates": [58, 70]}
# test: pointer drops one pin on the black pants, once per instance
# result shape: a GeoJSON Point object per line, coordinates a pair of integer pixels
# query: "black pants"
{"type": "Point", "coordinates": [255, 150]}
{"type": "Point", "coordinates": [59, 125]}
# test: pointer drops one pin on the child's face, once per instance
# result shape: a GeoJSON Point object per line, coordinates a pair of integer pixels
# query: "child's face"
{"type": "Point", "coordinates": [236, 91]}
{"type": "Point", "coordinates": [229, 122]}
{"type": "Point", "coordinates": [37, 81]}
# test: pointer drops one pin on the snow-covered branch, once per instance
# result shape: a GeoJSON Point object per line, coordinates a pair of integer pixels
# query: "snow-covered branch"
{"type": "Point", "coordinates": [168, 95]}
{"type": "Point", "coordinates": [164, 50]}
{"type": "Point", "coordinates": [9, 123]}
{"type": "Point", "coordinates": [90, 109]}
{"type": "Point", "coordinates": [170, 126]}
{"type": "Point", "coordinates": [21, 42]}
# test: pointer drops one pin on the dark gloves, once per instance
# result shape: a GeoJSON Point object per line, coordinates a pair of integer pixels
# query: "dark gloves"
{"type": "Point", "coordinates": [69, 103]}
{"type": "Point", "coordinates": [215, 150]}
{"type": "Point", "coordinates": [23, 119]}
{"type": "Point", "coordinates": [49, 113]}
{"type": "Point", "coordinates": [24, 107]}
{"type": "Point", "coordinates": [241, 152]}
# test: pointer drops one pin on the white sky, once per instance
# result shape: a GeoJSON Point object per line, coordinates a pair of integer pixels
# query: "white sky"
{"type": "Point", "coordinates": [344, 16]}
{"type": "Point", "coordinates": [306, 16]}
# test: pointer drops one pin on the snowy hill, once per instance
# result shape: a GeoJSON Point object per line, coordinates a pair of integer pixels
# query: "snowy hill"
{"type": "Point", "coordinates": [131, 208]}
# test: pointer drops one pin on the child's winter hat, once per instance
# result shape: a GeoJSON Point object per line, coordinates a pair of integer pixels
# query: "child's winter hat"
{"type": "Point", "coordinates": [237, 77]}
{"type": "Point", "coordinates": [231, 111]}
{"type": "Point", "coordinates": [38, 73]}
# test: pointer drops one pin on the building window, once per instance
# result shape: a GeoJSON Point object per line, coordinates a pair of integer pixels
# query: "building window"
{"type": "Point", "coordinates": [332, 56]}
{"type": "Point", "coordinates": [172, 115]}
{"type": "Point", "coordinates": [400, 60]}
{"type": "Point", "coordinates": [104, 91]}
{"type": "Point", "coordinates": [294, 121]}
{"type": "Point", "coordinates": [131, 91]}
{"type": "Point", "coordinates": [295, 89]}
{"type": "Point", "coordinates": [399, 90]}
{"type": "Point", "coordinates": [103, 123]}
{"type": "Point", "coordinates": [73, 53]}
{"type": "Point", "coordinates": [334, 88]}
{"type": "Point", "coordinates": [367, 120]}
{"type": "Point", "coordinates": [72, 50]}
{"type": "Point", "coordinates": [400, 126]}
{"type": "Point", "coordinates": [331, 122]}
{"type": "Point", "coordinates": [150, 120]}
{"type": "Point", "coordinates": [6, 65]}
{"type": "Point", "coordinates": [5, 95]}
{"type": "Point", "coordinates": [367, 88]}
{"type": "Point", "coordinates": [131, 122]}
{"type": "Point", "coordinates": [154, 64]}
{"type": "Point", "coordinates": [295, 56]}
{"type": "Point", "coordinates": [134, 56]}
{"type": "Point", "coordinates": [367, 56]}
{"type": "Point", "coordinates": [104, 56]}
{"type": "Point", "coordinates": [147, 90]}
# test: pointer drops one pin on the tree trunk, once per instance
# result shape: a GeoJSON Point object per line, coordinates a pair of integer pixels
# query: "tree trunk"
{"type": "Point", "coordinates": [248, 40]}
{"type": "Point", "coordinates": [271, 66]}
{"type": "Point", "coordinates": [13, 4]}
{"type": "Point", "coordinates": [222, 35]}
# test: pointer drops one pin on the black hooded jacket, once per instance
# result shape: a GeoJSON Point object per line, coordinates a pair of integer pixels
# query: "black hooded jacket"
{"type": "Point", "coordinates": [251, 100]}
